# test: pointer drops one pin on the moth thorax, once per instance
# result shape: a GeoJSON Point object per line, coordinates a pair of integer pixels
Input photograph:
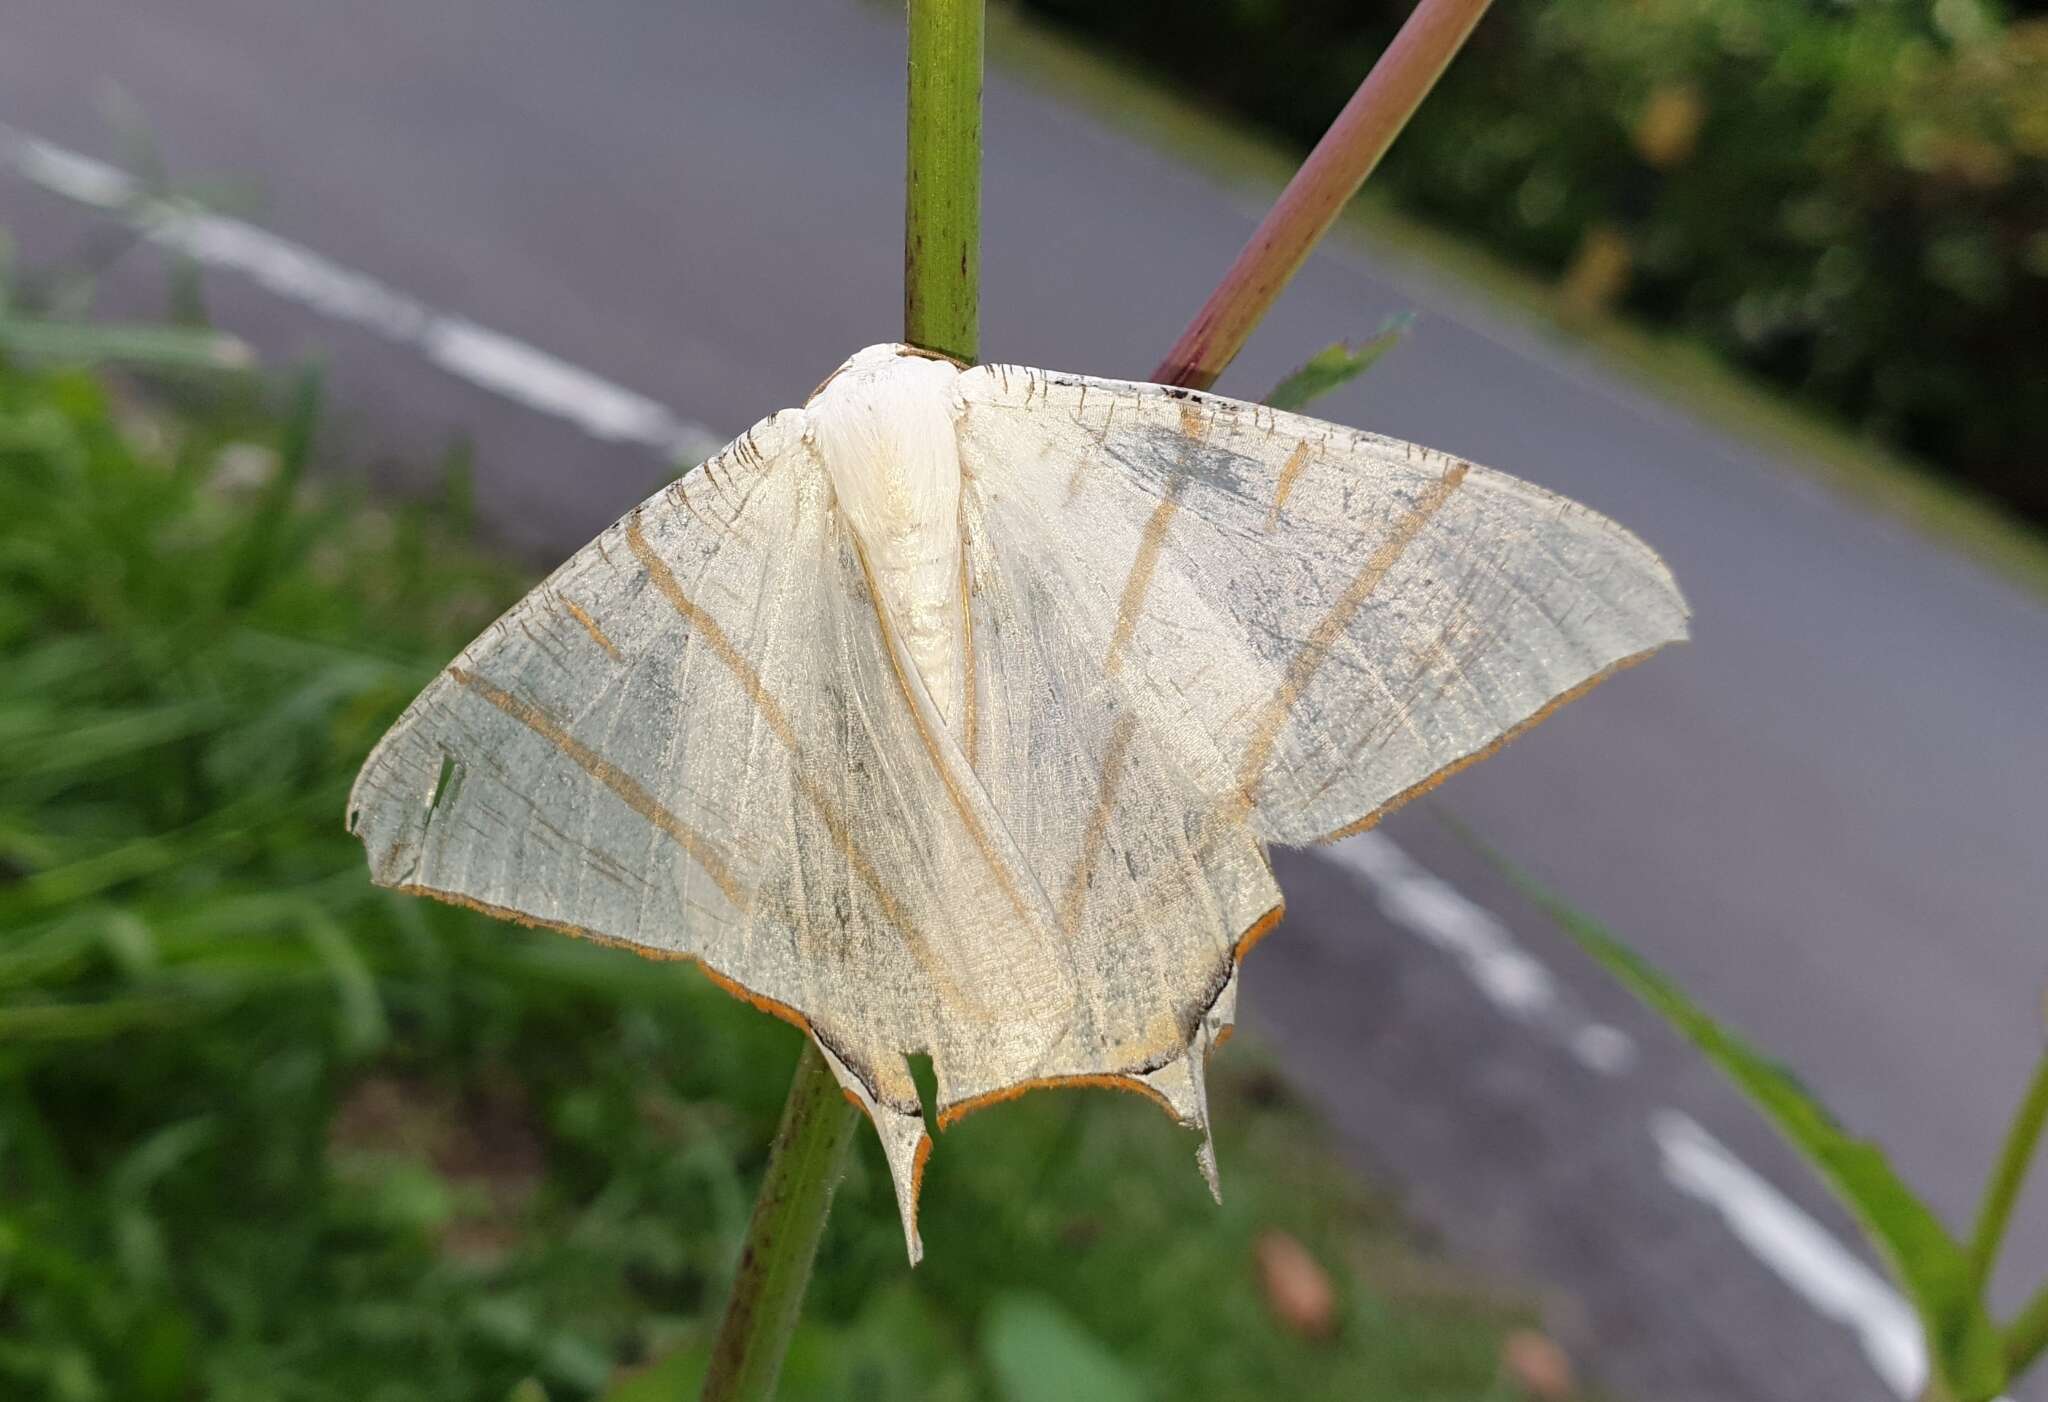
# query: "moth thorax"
{"type": "Point", "coordinates": [884, 425]}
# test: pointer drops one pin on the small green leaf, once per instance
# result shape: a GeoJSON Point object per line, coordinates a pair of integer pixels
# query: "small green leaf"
{"type": "Point", "coordinates": [1038, 1353]}
{"type": "Point", "coordinates": [92, 343]}
{"type": "Point", "coordinates": [1335, 365]}
{"type": "Point", "coordinates": [1963, 1343]}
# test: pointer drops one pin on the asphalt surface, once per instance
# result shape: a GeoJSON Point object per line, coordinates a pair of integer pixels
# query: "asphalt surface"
{"type": "Point", "coordinates": [1825, 816]}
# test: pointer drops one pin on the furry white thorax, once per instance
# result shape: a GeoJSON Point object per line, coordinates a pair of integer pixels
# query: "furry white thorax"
{"type": "Point", "coordinates": [885, 426]}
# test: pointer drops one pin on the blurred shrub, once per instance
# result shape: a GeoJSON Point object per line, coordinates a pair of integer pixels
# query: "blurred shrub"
{"type": "Point", "coordinates": [1851, 198]}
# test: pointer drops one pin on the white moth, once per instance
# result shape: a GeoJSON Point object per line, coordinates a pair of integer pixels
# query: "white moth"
{"type": "Point", "coordinates": [952, 713]}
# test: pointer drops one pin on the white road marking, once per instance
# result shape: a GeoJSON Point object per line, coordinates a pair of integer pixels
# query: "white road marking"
{"type": "Point", "coordinates": [1797, 1248]}
{"type": "Point", "coordinates": [490, 360]}
{"type": "Point", "coordinates": [1794, 1247]}
{"type": "Point", "coordinates": [1604, 1048]}
{"type": "Point", "coordinates": [553, 386]}
{"type": "Point", "coordinates": [1515, 981]}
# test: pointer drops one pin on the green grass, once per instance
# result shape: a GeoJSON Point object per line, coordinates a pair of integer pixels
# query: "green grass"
{"type": "Point", "coordinates": [269, 1132]}
{"type": "Point", "coordinates": [1669, 365]}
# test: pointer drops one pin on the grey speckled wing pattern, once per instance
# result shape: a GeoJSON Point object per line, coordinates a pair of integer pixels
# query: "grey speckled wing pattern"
{"type": "Point", "coordinates": [1324, 621]}
{"type": "Point", "coordinates": [1195, 627]}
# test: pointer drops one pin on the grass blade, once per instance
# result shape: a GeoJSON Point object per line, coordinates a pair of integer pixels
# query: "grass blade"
{"type": "Point", "coordinates": [259, 556]}
{"type": "Point", "coordinates": [158, 347]}
{"type": "Point", "coordinates": [1924, 1256]}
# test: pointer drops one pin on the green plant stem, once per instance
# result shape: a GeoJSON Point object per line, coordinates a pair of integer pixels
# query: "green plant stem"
{"type": "Point", "coordinates": [2026, 1338]}
{"type": "Point", "coordinates": [1320, 189]}
{"type": "Point", "coordinates": [942, 179]}
{"type": "Point", "coordinates": [804, 1166]}
{"type": "Point", "coordinates": [2027, 1334]}
{"type": "Point", "coordinates": [941, 312]}
{"type": "Point", "coordinates": [2008, 1176]}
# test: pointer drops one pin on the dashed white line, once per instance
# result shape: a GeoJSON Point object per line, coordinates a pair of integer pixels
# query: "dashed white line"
{"type": "Point", "coordinates": [1608, 1050]}
{"type": "Point", "coordinates": [1797, 1249]}
{"type": "Point", "coordinates": [1511, 978]}
{"type": "Point", "coordinates": [553, 386]}
{"type": "Point", "coordinates": [276, 265]}
{"type": "Point", "coordinates": [490, 360]}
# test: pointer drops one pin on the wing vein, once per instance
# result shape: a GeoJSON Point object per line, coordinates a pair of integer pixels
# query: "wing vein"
{"type": "Point", "coordinates": [629, 790]}
{"type": "Point", "coordinates": [771, 711]}
{"type": "Point", "coordinates": [1315, 650]}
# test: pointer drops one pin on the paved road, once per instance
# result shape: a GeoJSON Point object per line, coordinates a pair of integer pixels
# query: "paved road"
{"type": "Point", "coordinates": [1825, 816]}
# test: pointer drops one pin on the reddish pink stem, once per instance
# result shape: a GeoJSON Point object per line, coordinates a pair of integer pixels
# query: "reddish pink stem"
{"type": "Point", "coordinates": [1320, 189]}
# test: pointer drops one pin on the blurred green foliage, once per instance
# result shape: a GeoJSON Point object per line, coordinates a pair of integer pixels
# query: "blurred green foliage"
{"type": "Point", "coordinates": [1850, 198]}
{"type": "Point", "coordinates": [269, 1132]}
